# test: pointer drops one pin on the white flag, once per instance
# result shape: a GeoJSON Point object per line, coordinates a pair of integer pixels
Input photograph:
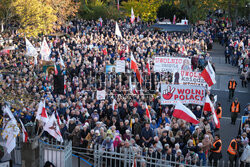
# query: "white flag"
{"type": "Point", "coordinates": [10, 132]}
{"type": "Point", "coordinates": [117, 30]}
{"type": "Point", "coordinates": [30, 49]}
{"type": "Point", "coordinates": [61, 60]}
{"type": "Point", "coordinates": [132, 19]}
{"type": "Point", "coordinates": [35, 60]}
{"type": "Point", "coordinates": [11, 143]}
{"type": "Point", "coordinates": [53, 129]}
{"type": "Point", "coordinates": [45, 51]}
{"type": "Point", "coordinates": [7, 111]}
{"type": "Point", "coordinates": [64, 48]}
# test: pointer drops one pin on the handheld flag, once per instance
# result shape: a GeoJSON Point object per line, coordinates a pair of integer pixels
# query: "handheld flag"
{"type": "Point", "coordinates": [56, 71]}
{"type": "Point", "coordinates": [132, 19]}
{"type": "Point", "coordinates": [45, 51]}
{"type": "Point", "coordinates": [10, 132]}
{"type": "Point", "coordinates": [209, 75]}
{"type": "Point", "coordinates": [25, 134]}
{"type": "Point", "coordinates": [184, 113]}
{"type": "Point", "coordinates": [59, 122]}
{"type": "Point", "coordinates": [30, 50]}
{"type": "Point", "coordinates": [53, 129]}
{"type": "Point", "coordinates": [114, 104]}
{"type": "Point", "coordinates": [42, 113]}
{"type": "Point", "coordinates": [148, 113]}
{"type": "Point", "coordinates": [7, 111]}
{"type": "Point", "coordinates": [61, 60]}
{"type": "Point", "coordinates": [117, 30]}
{"type": "Point", "coordinates": [118, 5]}
{"type": "Point", "coordinates": [134, 67]}
{"type": "Point", "coordinates": [174, 19]}
{"type": "Point", "coordinates": [148, 67]}
{"type": "Point", "coordinates": [208, 106]}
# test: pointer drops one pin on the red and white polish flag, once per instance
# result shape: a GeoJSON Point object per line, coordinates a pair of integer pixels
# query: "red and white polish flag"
{"type": "Point", "coordinates": [42, 113]}
{"type": "Point", "coordinates": [25, 134]}
{"type": "Point", "coordinates": [134, 163]}
{"type": "Point", "coordinates": [182, 112]}
{"type": "Point", "coordinates": [209, 75]}
{"type": "Point", "coordinates": [208, 106]}
{"type": "Point", "coordinates": [148, 67]}
{"type": "Point", "coordinates": [148, 113]}
{"type": "Point", "coordinates": [174, 19]}
{"type": "Point", "coordinates": [134, 67]}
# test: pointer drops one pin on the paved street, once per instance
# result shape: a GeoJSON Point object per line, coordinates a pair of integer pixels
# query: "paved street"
{"type": "Point", "coordinates": [223, 73]}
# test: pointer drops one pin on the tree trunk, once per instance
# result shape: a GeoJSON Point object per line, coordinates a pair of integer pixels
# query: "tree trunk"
{"type": "Point", "coordinates": [2, 26]}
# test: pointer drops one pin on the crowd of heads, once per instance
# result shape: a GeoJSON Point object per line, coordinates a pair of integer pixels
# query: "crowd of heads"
{"type": "Point", "coordinates": [87, 48]}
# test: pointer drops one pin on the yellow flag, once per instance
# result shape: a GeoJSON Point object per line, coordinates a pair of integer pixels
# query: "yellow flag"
{"type": "Point", "coordinates": [131, 123]}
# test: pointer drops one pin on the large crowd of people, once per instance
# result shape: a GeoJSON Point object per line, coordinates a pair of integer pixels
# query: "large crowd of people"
{"type": "Point", "coordinates": [86, 48]}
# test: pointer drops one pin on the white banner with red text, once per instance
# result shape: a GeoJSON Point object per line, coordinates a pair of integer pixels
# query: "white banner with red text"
{"type": "Point", "coordinates": [186, 94]}
{"type": "Point", "coordinates": [171, 64]}
{"type": "Point", "coordinates": [188, 78]}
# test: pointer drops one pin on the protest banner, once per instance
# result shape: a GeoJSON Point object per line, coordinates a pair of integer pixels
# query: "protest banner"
{"type": "Point", "coordinates": [186, 94]}
{"type": "Point", "coordinates": [188, 78]}
{"type": "Point", "coordinates": [243, 120]}
{"type": "Point", "coordinates": [100, 95]}
{"type": "Point", "coordinates": [120, 66]}
{"type": "Point", "coordinates": [171, 64]}
{"type": "Point", "coordinates": [110, 68]}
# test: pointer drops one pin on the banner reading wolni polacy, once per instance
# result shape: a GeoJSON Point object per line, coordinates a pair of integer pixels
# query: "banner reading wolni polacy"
{"type": "Point", "coordinates": [186, 94]}
{"type": "Point", "coordinates": [172, 64]}
{"type": "Point", "coordinates": [188, 78]}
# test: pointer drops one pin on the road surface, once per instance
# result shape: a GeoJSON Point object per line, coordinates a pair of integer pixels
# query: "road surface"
{"type": "Point", "coordinates": [224, 72]}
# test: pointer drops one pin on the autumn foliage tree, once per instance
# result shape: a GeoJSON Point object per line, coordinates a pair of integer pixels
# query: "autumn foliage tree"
{"type": "Point", "coordinates": [145, 9]}
{"type": "Point", "coordinates": [34, 17]}
{"type": "Point", "coordinates": [42, 16]}
{"type": "Point", "coordinates": [63, 9]}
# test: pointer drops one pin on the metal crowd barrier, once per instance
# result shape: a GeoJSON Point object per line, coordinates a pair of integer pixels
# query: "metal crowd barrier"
{"type": "Point", "coordinates": [125, 157]}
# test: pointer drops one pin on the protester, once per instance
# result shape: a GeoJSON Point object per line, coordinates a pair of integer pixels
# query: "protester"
{"type": "Point", "coordinates": [118, 121]}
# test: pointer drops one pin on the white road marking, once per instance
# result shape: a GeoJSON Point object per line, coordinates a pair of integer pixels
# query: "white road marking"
{"type": "Point", "coordinates": [229, 118]}
{"type": "Point", "coordinates": [240, 91]}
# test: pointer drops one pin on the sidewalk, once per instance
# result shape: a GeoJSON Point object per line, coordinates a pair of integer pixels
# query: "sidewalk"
{"type": "Point", "coordinates": [224, 72]}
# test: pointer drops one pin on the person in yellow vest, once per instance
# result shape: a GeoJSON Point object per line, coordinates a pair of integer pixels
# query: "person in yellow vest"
{"type": "Point", "coordinates": [235, 109]}
{"type": "Point", "coordinates": [231, 87]}
{"type": "Point", "coordinates": [219, 110]}
{"type": "Point", "coordinates": [233, 151]}
{"type": "Point", "coordinates": [215, 155]}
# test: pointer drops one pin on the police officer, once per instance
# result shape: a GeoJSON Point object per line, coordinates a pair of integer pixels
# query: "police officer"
{"type": "Point", "coordinates": [219, 110]}
{"type": "Point", "coordinates": [233, 150]}
{"type": "Point", "coordinates": [215, 151]}
{"type": "Point", "coordinates": [235, 109]}
{"type": "Point", "coordinates": [231, 87]}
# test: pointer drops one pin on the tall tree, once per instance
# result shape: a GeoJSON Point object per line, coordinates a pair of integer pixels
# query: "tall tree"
{"type": "Point", "coordinates": [6, 11]}
{"type": "Point", "coordinates": [197, 9]}
{"type": "Point", "coordinates": [64, 9]}
{"type": "Point", "coordinates": [34, 17]}
{"type": "Point", "coordinates": [145, 9]}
